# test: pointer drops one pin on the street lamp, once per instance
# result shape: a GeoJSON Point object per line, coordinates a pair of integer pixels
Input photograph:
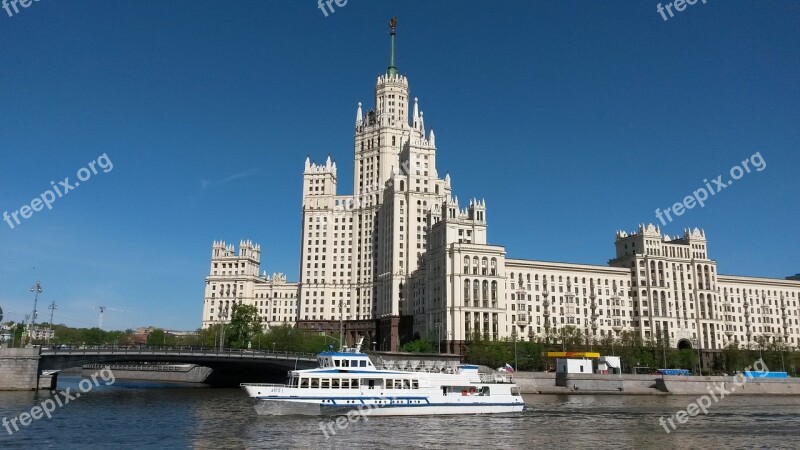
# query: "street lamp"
{"type": "Point", "coordinates": [223, 315]}
{"type": "Point", "coordinates": [514, 336]}
{"type": "Point", "coordinates": [341, 326]}
{"type": "Point", "coordinates": [696, 342]}
{"type": "Point", "coordinates": [439, 335]}
{"type": "Point", "coordinates": [53, 307]}
{"type": "Point", "coordinates": [37, 289]}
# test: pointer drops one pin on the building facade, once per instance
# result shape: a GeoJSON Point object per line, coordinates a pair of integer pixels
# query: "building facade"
{"type": "Point", "coordinates": [234, 280]}
{"type": "Point", "coordinates": [400, 259]}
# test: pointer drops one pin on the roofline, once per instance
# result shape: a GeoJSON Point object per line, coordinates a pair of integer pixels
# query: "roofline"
{"type": "Point", "coordinates": [556, 264]}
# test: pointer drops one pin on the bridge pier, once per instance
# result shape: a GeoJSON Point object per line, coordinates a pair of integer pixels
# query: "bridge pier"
{"type": "Point", "coordinates": [19, 369]}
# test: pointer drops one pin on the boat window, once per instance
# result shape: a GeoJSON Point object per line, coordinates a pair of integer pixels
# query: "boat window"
{"type": "Point", "coordinates": [335, 383]}
{"type": "Point", "coordinates": [336, 361]}
{"type": "Point", "coordinates": [406, 384]}
{"type": "Point", "coordinates": [326, 383]}
{"type": "Point", "coordinates": [363, 363]}
{"type": "Point", "coordinates": [485, 391]}
{"type": "Point", "coordinates": [314, 383]}
{"type": "Point", "coordinates": [354, 384]}
{"type": "Point", "coordinates": [345, 384]}
{"type": "Point", "coordinates": [304, 382]}
{"type": "Point", "coordinates": [398, 384]}
{"type": "Point", "coordinates": [345, 363]}
{"type": "Point", "coordinates": [389, 383]}
{"type": "Point", "coordinates": [414, 384]}
{"type": "Point", "coordinates": [372, 384]}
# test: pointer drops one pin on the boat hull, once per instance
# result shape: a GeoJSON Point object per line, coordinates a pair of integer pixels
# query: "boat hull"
{"type": "Point", "coordinates": [282, 407]}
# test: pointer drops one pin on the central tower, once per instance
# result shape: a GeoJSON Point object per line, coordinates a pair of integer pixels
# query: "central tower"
{"type": "Point", "coordinates": [379, 232]}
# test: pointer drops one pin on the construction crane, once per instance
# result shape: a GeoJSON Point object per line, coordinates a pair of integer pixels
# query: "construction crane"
{"type": "Point", "coordinates": [103, 310]}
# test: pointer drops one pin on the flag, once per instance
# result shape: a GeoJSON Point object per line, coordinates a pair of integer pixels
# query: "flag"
{"type": "Point", "coordinates": [508, 368]}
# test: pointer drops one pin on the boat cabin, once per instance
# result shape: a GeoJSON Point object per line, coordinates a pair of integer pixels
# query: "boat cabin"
{"type": "Point", "coordinates": [341, 360]}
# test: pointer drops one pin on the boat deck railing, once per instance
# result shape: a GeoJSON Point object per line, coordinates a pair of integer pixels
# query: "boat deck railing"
{"type": "Point", "coordinates": [448, 370]}
{"type": "Point", "coordinates": [493, 378]}
{"type": "Point", "coordinates": [263, 384]}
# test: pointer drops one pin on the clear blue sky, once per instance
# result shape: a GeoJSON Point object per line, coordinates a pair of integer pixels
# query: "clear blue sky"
{"type": "Point", "coordinates": [573, 119]}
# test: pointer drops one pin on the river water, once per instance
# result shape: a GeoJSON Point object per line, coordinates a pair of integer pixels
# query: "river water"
{"type": "Point", "coordinates": [129, 415]}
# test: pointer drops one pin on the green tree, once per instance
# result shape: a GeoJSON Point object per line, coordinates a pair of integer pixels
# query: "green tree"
{"type": "Point", "coordinates": [684, 359]}
{"type": "Point", "coordinates": [156, 337]}
{"type": "Point", "coordinates": [244, 327]}
{"type": "Point", "coordinates": [419, 346]}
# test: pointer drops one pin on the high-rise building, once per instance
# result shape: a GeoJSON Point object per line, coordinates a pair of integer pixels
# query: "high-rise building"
{"type": "Point", "coordinates": [400, 259]}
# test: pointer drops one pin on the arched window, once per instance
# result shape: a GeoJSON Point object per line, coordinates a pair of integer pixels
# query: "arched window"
{"type": "Point", "coordinates": [494, 291]}
{"type": "Point", "coordinates": [466, 264]}
{"type": "Point", "coordinates": [485, 266]}
{"type": "Point", "coordinates": [475, 265]}
{"type": "Point", "coordinates": [485, 290]}
{"type": "Point", "coordinates": [466, 290]}
{"type": "Point", "coordinates": [475, 287]}
{"type": "Point", "coordinates": [494, 267]}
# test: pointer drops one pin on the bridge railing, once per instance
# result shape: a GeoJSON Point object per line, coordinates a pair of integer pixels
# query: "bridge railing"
{"type": "Point", "coordinates": [158, 349]}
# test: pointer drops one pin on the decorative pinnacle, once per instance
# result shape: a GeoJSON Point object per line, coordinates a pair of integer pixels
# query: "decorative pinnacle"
{"type": "Point", "coordinates": [392, 69]}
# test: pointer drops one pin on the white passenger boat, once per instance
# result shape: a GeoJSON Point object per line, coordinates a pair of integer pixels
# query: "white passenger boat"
{"type": "Point", "coordinates": [347, 380]}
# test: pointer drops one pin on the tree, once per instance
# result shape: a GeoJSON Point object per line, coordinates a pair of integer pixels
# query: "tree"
{"type": "Point", "coordinates": [245, 326]}
{"type": "Point", "coordinates": [419, 346]}
{"type": "Point", "coordinates": [156, 337]}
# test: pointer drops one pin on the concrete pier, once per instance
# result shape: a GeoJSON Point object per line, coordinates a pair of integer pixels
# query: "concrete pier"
{"type": "Point", "coordinates": [550, 383]}
{"type": "Point", "coordinates": [19, 369]}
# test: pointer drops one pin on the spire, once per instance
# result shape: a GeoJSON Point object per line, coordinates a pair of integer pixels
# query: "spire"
{"type": "Point", "coordinates": [432, 138]}
{"type": "Point", "coordinates": [391, 71]}
{"type": "Point", "coordinates": [359, 115]}
{"type": "Point", "coordinates": [416, 113]}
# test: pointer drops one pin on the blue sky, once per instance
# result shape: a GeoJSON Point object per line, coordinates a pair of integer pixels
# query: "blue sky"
{"type": "Point", "coordinates": [573, 119]}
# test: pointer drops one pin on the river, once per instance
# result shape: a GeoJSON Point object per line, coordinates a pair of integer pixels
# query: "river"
{"type": "Point", "coordinates": [128, 415]}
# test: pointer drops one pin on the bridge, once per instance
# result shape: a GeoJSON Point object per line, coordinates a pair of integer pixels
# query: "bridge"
{"type": "Point", "coordinates": [229, 366]}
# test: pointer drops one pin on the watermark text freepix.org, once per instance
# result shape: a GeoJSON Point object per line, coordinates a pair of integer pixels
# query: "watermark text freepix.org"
{"type": "Point", "coordinates": [700, 196]}
{"type": "Point", "coordinates": [716, 391]}
{"type": "Point", "coordinates": [48, 197]}
{"type": "Point", "coordinates": [326, 5]}
{"type": "Point", "coordinates": [352, 416]}
{"type": "Point", "coordinates": [59, 399]}
{"type": "Point", "coordinates": [8, 5]}
{"type": "Point", "coordinates": [679, 5]}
